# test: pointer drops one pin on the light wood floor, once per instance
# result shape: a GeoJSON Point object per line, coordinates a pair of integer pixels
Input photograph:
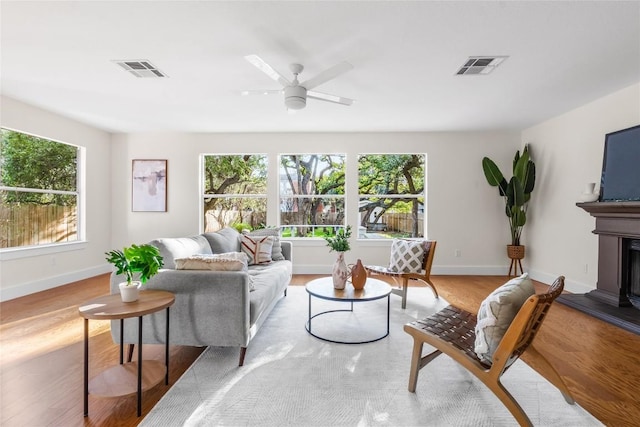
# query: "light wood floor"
{"type": "Point", "coordinates": [42, 357]}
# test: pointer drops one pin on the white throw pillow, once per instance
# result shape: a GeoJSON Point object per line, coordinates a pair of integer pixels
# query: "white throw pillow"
{"type": "Point", "coordinates": [230, 261]}
{"type": "Point", "coordinates": [258, 249]}
{"type": "Point", "coordinates": [407, 256]}
{"type": "Point", "coordinates": [276, 249]}
{"type": "Point", "coordinates": [497, 312]}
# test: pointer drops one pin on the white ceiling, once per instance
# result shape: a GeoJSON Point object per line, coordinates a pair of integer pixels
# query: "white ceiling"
{"type": "Point", "coordinates": [57, 55]}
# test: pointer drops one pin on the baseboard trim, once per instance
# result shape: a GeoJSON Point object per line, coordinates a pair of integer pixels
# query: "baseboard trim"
{"type": "Point", "coordinates": [18, 291]}
{"type": "Point", "coordinates": [470, 270]}
{"type": "Point", "coordinates": [569, 285]}
{"type": "Point", "coordinates": [25, 289]}
{"type": "Point", "coordinates": [445, 270]}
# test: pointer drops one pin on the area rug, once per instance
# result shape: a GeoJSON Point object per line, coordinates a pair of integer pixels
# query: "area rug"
{"type": "Point", "coordinates": [291, 378]}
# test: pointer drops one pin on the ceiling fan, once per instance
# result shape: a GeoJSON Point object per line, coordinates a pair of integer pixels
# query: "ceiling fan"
{"type": "Point", "coordinates": [296, 93]}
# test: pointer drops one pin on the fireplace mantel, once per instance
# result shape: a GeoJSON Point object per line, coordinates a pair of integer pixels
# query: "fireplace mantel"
{"type": "Point", "coordinates": [621, 219]}
{"type": "Point", "coordinates": [615, 222]}
{"type": "Point", "coordinates": [612, 209]}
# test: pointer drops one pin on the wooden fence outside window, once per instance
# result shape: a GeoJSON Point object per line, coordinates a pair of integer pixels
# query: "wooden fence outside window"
{"type": "Point", "coordinates": [32, 225]}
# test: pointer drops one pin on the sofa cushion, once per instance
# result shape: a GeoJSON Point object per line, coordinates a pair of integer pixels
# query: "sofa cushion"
{"type": "Point", "coordinates": [267, 280]}
{"type": "Point", "coordinates": [230, 261]}
{"type": "Point", "coordinates": [180, 247]}
{"type": "Point", "coordinates": [276, 249]}
{"type": "Point", "coordinates": [257, 248]}
{"type": "Point", "coordinates": [224, 240]}
{"type": "Point", "coordinates": [497, 312]}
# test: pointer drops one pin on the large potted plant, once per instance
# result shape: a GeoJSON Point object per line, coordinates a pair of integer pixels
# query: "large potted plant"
{"type": "Point", "coordinates": [516, 194]}
{"type": "Point", "coordinates": [136, 262]}
{"type": "Point", "coordinates": [340, 244]}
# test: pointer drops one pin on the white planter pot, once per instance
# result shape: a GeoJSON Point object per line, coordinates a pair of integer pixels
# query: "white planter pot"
{"type": "Point", "coordinates": [129, 293]}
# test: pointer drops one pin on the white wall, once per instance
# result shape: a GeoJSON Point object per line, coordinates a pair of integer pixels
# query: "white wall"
{"type": "Point", "coordinates": [25, 275]}
{"type": "Point", "coordinates": [463, 212]}
{"type": "Point", "coordinates": [568, 152]}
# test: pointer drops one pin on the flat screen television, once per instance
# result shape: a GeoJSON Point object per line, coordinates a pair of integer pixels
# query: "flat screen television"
{"type": "Point", "coordinates": [620, 179]}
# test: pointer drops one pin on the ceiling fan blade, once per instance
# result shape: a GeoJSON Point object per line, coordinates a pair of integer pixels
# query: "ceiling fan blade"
{"type": "Point", "coordinates": [327, 75]}
{"type": "Point", "coordinates": [267, 69]}
{"type": "Point", "coordinates": [261, 92]}
{"type": "Point", "coordinates": [330, 98]}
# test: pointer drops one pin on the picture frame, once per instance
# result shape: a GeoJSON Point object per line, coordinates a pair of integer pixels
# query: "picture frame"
{"type": "Point", "coordinates": [148, 185]}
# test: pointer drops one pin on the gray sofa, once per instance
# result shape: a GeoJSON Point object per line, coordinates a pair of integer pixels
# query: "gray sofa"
{"type": "Point", "coordinates": [212, 308]}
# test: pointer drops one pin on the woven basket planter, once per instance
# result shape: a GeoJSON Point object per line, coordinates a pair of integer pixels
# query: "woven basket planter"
{"type": "Point", "coordinates": [515, 251]}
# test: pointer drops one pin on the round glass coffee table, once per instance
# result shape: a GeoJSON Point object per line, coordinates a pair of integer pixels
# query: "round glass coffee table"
{"type": "Point", "coordinates": [322, 288]}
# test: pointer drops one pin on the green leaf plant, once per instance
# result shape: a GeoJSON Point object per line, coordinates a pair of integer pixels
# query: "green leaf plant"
{"type": "Point", "coordinates": [516, 193]}
{"type": "Point", "coordinates": [339, 243]}
{"type": "Point", "coordinates": [142, 261]}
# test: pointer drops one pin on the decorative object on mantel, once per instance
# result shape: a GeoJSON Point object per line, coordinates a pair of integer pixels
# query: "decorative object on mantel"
{"type": "Point", "coordinates": [358, 276]}
{"type": "Point", "coordinates": [340, 244]}
{"type": "Point", "coordinates": [620, 178]}
{"type": "Point", "coordinates": [140, 260]}
{"type": "Point", "coordinates": [516, 195]}
{"type": "Point", "coordinates": [589, 194]}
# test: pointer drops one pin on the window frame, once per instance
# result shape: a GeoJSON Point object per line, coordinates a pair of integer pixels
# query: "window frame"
{"type": "Point", "coordinates": [17, 252]}
{"type": "Point", "coordinates": [204, 196]}
{"type": "Point", "coordinates": [417, 196]}
{"type": "Point", "coordinates": [343, 197]}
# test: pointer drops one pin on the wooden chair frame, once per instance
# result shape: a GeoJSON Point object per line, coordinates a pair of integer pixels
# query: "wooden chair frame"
{"type": "Point", "coordinates": [452, 331]}
{"type": "Point", "coordinates": [402, 279]}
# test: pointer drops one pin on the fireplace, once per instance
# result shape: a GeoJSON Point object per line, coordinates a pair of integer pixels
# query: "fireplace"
{"type": "Point", "coordinates": [616, 298]}
{"type": "Point", "coordinates": [631, 270]}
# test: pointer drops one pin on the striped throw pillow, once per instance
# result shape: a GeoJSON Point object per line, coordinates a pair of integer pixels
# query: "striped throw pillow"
{"type": "Point", "coordinates": [257, 248]}
{"type": "Point", "coordinates": [276, 250]}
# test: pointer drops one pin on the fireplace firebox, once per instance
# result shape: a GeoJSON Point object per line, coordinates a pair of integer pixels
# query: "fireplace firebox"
{"type": "Point", "coordinates": [616, 298]}
{"type": "Point", "coordinates": [631, 270]}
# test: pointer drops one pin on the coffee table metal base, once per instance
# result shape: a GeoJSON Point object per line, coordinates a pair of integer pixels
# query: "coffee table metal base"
{"type": "Point", "coordinates": [308, 324]}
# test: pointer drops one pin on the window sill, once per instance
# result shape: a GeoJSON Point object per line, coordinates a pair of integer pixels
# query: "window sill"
{"type": "Point", "coordinates": [316, 241]}
{"type": "Point", "coordinates": [32, 251]}
{"type": "Point", "coordinates": [305, 241]}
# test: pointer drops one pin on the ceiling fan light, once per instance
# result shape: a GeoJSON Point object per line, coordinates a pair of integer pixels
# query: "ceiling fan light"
{"type": "Point", "coordinates": [295, 97]}
{"type": "Point", "coordinates": [295, 103]}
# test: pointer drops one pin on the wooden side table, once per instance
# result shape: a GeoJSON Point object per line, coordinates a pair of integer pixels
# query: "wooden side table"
{"type": "Point", "coordinates": [121, 380]}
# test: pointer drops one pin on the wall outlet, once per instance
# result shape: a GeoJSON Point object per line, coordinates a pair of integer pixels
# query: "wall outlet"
{"type": "Point", "coordinates": [457, 253]}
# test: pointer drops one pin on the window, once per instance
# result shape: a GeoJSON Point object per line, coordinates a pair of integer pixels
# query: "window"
{"type": "Point", "coordinates": [39, 194]}
{"type": "Point", "coordinates": [391, 195]}
{"type": "Point", "coordinates": [312, 189]}
{"type": "Point", "coordinates": [234, 191]}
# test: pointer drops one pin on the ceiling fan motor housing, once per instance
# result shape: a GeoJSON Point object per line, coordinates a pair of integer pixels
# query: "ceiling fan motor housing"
{"type": "Point", "coordinates": [295, 97]}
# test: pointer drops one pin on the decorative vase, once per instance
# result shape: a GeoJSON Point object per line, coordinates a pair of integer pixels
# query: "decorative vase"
{"type": "Point", "coordinates": [129, 293]}
{"type": "Point", "coordinates": [589, 188]}
{"type": "Point", "coordinates": [589, 194]}
{"type": "Point", "coordinates": [358, 276]}
{"type": "Point", "coordinates": [340, 272]}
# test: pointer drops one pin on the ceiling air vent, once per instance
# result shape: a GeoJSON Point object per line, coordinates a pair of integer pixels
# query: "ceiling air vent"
{"type": "Point", "coordinates": [140, 68]}
{"type": "Point", "coordinates": [480, 64]}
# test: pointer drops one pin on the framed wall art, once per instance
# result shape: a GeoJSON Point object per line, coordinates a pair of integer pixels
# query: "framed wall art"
{"type": "Point", "coordinates": [149, 185]}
